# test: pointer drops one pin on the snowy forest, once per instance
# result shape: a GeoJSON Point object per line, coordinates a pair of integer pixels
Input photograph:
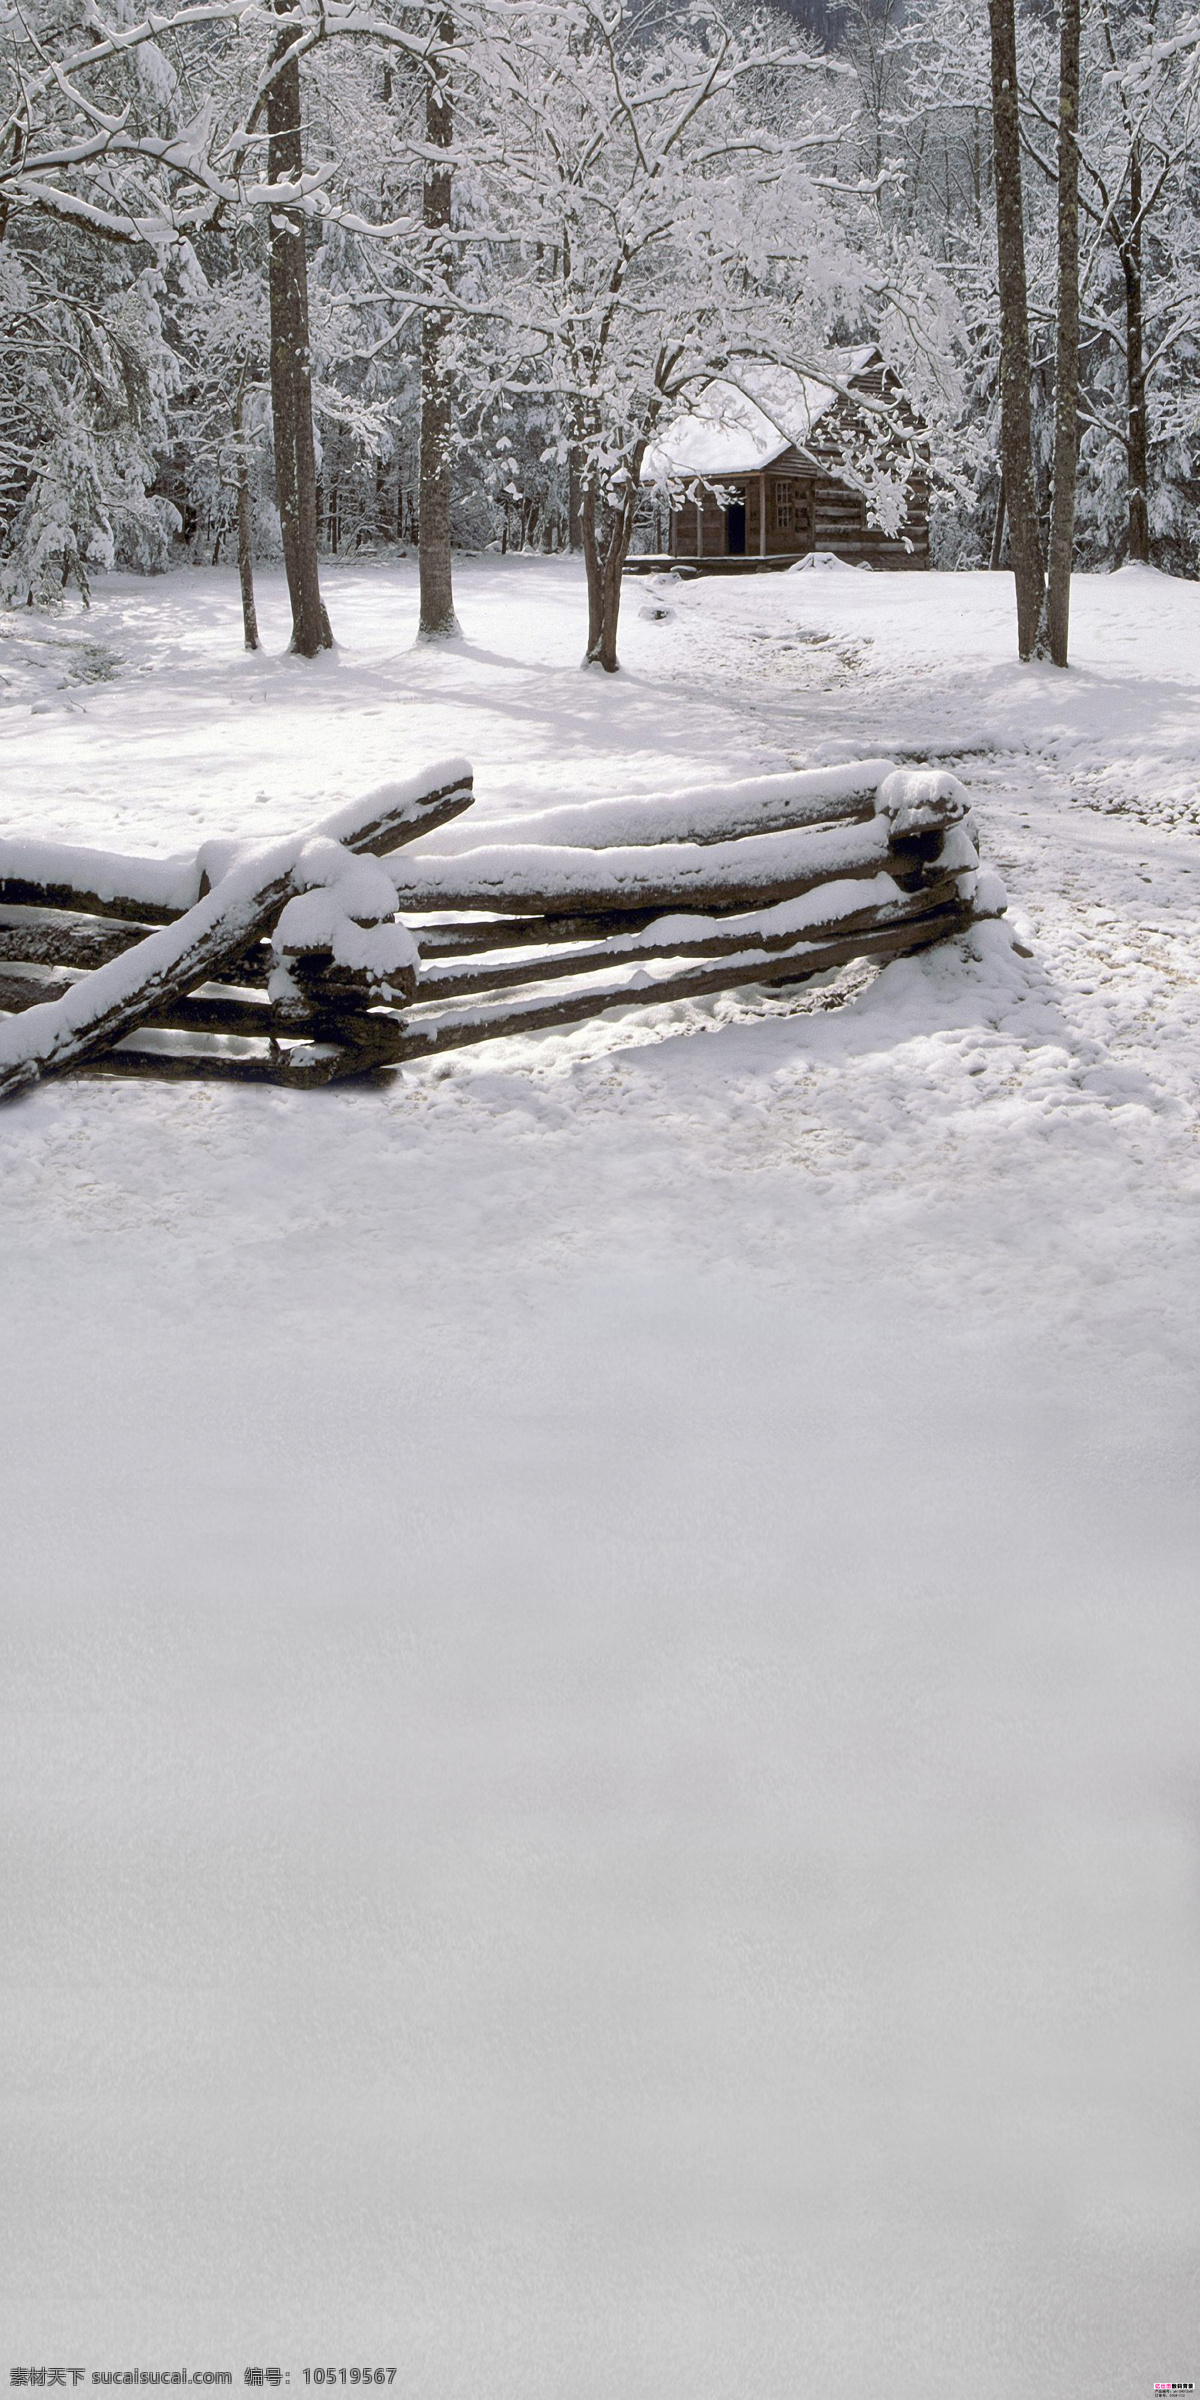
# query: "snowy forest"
{"type": "Point", "coordinates": [351, 275]}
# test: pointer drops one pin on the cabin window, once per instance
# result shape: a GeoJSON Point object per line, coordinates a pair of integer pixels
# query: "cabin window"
{"type": "Point", "coordinates": [786, 506]}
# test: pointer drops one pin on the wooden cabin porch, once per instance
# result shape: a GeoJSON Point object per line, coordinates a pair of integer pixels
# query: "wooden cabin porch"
{"type": "Point", "coordinates": [762, 519]}
{"type": "Point", "coordinates": [778, 516]}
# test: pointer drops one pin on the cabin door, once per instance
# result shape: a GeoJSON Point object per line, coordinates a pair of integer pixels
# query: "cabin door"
{"type": "Point", "coordinates": [735, 529]}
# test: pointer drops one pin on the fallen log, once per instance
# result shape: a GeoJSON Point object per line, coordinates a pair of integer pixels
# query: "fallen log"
{"type": "Point", "coordinates": [155, 891]}
{"type": "Point", "coordinates": [831, 910]}
{"type": "Point", "coordinates": [426, 1037]}
{"type": "Point", "coordinates": [160, 970]}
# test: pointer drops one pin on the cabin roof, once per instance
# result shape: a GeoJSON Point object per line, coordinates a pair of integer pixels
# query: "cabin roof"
{"type": "Point", "coordinates": [738, 429]}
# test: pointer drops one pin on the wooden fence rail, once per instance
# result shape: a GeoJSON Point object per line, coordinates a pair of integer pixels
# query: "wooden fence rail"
{"type": "Point", "coordinates": [290, 962]}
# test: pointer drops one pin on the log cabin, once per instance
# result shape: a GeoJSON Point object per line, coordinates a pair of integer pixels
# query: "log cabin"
{"type": "Point", "coordinates": [758, 466]}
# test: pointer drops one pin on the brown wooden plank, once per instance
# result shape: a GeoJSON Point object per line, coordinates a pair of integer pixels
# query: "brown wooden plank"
{"type": "Point", "coordinates": [671, 937]}
{"type": "Point", "coordinates": [702, 813]}
{"type": "Point", "coordinates": [462, 937]}
{"type": "Point", "coordinates": [539, 1013]}
{"type": "Point", "coordinates": [210, 1010]}
{"type": "Point", "coordinates": [754, 872]}
{"type": "Point", "coordinates": [27, 986]}
{"type": "Point", "coordinates": [65, 938]}
{"type": "Point", "coordinates": [164, 1055]}
{"type": "Point", "coordinates": [303, 1066]}
{"type": "Point", "coordinates": [138, 908]}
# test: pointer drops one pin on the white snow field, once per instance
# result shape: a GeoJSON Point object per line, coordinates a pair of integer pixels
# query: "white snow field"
{"type": "Point", "coordinates": [600, 1762]}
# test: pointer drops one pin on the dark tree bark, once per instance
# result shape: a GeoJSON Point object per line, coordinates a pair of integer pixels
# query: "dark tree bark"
{"type": "Point", "coordinates": [1137, 424]}
{"type": "Point", "coordinates": [1066, 383]}
{"type": "Point", "coordinates": [245, 529]}
{"type": "Point", "coordinates": [997, 555]}
{"type": "Point", "coordinates": [433, 540]}
{"type": "Point", "coordinates": [574, 502]}
{"type": "Point", "coordinates": [1016, 430]}
{"type": "Point", "coordinates": [606, 528]}
{"type": "Point", "coordinates": [291, 364]}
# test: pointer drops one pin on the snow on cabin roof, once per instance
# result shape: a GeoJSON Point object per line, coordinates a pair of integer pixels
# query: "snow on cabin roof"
{"type": "Point", "coordinates": [738, 429]}
{"type": "Point", "coordinates": [725, 434]}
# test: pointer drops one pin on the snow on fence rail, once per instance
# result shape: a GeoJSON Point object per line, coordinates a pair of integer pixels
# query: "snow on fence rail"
{"type": "Point", "coordinates": [292, 962]}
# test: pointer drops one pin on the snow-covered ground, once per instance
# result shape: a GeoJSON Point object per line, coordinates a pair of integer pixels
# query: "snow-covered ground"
{"type": "Point", "coordinates": [599, 1740]}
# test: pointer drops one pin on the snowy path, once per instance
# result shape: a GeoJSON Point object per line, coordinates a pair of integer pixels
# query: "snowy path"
{"type": "Point", "coordinates": [599, 1746]}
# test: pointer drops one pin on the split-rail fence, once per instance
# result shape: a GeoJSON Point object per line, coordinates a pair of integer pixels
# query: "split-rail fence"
{"type": "Point", "coordinates": [367, 941]}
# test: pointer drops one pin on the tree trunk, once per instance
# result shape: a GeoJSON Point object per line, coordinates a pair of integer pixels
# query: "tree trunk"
{"type": "Point", "coordinates": [591, 556]}
{"type": "Point", "coordinates": [1137, 434]}
{"type": "Point", "coordinates": [245, 529]}
{"type": "Point", "coordinates": [1016, 430]}
{"type": "Point", "coordinates": [606, 531]}
{"type": "Point", "coordinates": [291, 365]}
{"type": "Point", "coordinates": [1066, 379]}
{"type": "Point", "coordinates": [994, 561]}
{"type": "Point", "coordinates": [433, 539]}
{"type": "Point", "coordinates": [574, 504]}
